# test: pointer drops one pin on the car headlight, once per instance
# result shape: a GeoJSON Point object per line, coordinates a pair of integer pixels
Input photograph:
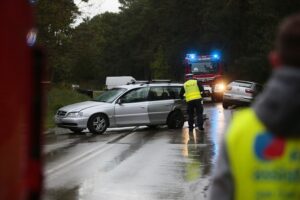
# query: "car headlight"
{"type": "Point", "coordinates": [220, 87]}
{"type": "Point", "coordinates": [75, 114]}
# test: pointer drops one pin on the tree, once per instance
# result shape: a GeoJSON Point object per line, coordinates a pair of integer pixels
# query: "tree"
{"type": "Point", "coordinates": [151, 37]}
{"type": "Point", "coordinates": [159, 66]}
{"type": "Point", "coordinates": [54, 19]}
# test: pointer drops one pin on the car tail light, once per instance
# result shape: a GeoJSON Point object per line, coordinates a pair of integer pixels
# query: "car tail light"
{"type": "Point", "coordinates": [249, 91]}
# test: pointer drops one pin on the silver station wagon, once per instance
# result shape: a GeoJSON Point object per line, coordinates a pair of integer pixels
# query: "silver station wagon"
{"type": "Point", "coordinates": [150, 104]}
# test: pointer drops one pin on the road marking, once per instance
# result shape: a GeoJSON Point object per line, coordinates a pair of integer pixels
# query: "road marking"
{"type": "Point", "coordinates": [87, 155]}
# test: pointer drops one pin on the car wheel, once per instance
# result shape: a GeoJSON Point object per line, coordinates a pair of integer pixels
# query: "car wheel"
{"type": "Point", "coordinates": [216, 98]}
{"type": "Point", "coordinates": [225, 105]}
{"type": "Point", "coordinates": [213, 100]}
{"type": "Point", "coordinates": [98, 124]}
{"type": "Point", "coordinates": [175, 120]}
{"type": "Point", "coordinates": [76, 130]}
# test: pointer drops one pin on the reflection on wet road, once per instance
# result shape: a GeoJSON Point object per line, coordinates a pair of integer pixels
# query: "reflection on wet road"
{"type": "Point", "coordinates": [134, 163]}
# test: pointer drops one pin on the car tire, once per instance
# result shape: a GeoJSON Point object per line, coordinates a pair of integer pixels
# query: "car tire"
{"type": "Point", "coordinates": [175, 120]}
{"type": "Point", "coordinates": [216, 98]}
{"type": "Point", "coordinates": [76, 130]}
{"type": "Point", "coordinates": [98, 124]}
{"type": "Point", "coordinates": [225, 105]}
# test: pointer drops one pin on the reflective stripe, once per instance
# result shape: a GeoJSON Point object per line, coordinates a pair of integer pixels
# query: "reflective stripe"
{"type": "Point", "coordinates": [192, 91]}
{"type": "Point", "coordinates": [263, 166]}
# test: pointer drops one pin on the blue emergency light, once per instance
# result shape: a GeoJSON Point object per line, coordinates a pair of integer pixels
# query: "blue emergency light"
{"type": "Point", "coordinates": [216, 56]}
{"type": "Point", "coordinates": [191, 56]}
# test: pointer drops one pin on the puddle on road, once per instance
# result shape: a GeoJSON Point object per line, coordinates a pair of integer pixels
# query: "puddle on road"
{"type": "Point", "coordinates": [198, 150]}
{"type": "Point", "coordinates": [132, 148]}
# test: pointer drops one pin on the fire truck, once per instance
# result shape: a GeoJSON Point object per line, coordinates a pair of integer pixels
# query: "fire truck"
{"type": "Point", "coordinates": [21, 103]}
{"type": "Point", "coordinates": [208, 69]}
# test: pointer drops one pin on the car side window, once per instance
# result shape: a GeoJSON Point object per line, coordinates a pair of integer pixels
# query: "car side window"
{"type": "Point", "coordinates": [137, 95]}
{"type": "Point", "coordinates": [175, 92]}
{"type": "Point", "coordinates": [162, 93]}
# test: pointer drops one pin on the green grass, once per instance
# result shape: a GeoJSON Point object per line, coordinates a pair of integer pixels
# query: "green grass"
{"type": "Point", "coordinates": [57, 97]}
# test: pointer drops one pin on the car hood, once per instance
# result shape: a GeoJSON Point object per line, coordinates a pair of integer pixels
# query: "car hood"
{"type": "Point", "coordinates": [77, 107]}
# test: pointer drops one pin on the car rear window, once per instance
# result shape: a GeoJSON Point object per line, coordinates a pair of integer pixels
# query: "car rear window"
{"type": "Point", "coordinates": [241, 84]}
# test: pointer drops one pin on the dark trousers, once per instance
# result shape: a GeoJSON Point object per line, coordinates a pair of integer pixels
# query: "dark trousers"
{"type": "Point", "coordinates": [191, 107]}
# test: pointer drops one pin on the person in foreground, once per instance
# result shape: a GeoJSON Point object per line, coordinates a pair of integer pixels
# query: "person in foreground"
{"type": "Point", "coordinates": [260, 154]}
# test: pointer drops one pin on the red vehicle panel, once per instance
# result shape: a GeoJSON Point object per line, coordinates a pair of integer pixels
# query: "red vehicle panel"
{"type": "Point", "coordinates": [20, 169]}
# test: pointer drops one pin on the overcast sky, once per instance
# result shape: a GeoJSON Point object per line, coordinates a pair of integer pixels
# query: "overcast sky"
{"type": "Point", "coordinates": [94, 7]}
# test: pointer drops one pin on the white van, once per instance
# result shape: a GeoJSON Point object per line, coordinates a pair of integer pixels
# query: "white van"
{"type": "Point", "coordinates": [115, 81]}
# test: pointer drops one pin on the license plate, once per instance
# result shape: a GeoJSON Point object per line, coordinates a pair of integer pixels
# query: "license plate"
{"type": "Point", "coordinates": [58, 119]}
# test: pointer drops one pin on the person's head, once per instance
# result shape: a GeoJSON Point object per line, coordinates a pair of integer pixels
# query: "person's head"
{"type": "Point", "coordinates": [287, 44]}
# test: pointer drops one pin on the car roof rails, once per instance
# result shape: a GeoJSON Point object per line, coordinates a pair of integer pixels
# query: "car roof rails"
{"type": "Point", "coordinates": [149, 82]}
{"type": "Point", "coordinates": [137, 82]}
{"type": "Point", "coordinates": [161, 81]}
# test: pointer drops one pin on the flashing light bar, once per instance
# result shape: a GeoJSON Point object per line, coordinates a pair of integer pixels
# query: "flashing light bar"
{"type": "Point", "coordinates": [191, 56]}
{"type": "Point", "coordinates": [195, 57]}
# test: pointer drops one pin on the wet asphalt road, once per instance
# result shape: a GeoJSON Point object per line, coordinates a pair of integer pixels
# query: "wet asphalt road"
{"type": "Point", "coordinates": [134, 163]}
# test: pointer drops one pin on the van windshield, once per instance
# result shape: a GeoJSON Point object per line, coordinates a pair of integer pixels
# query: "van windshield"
{"type": "Point", "coordinates": [206, 67]}
{"type": "Point", "coordinates": [110, 95]}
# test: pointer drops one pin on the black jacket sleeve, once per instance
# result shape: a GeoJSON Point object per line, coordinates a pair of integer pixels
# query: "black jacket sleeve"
{"type": "Point", "coordinates": [200, 86]}
{"type": "Point", "coordinates": [182, 91]}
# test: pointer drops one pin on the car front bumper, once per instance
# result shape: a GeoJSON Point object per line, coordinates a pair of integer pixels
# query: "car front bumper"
{"type": "Point", "coordinates": [66, 122]}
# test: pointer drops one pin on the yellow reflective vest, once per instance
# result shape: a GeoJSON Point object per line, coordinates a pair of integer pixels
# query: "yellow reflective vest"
{"type": "Point", "coordinates": [192, 91]}
{"type": "Point", "coordinates": [264, 167]}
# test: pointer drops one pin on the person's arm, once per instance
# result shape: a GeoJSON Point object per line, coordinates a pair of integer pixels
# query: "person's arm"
{"type": "Point", "coordinates": [222, 186]}
{"type": "Point", "coordinates": [182, 91]}
{"type": "Point", "coordinates": [200, 86]}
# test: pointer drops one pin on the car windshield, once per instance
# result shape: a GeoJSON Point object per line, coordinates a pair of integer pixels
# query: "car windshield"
{"type": "Point", "coordinates": [206, 67]}
{"type": "Point", "coordinates": [110, 95]}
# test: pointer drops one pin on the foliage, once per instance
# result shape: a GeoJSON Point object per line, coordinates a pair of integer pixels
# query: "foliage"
{"type": "Point", "coordinates": [53, 21]}
{"type": "Point", "coordinates": [159, 67]}
{"type": "Point", "coordinates": [151, 37]}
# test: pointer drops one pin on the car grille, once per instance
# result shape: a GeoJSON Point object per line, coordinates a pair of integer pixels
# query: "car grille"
{"type": "Point", "coordinates": [61, 113]}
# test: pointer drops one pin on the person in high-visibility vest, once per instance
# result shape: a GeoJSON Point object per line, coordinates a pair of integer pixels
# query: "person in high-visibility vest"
{"type": "Point", "coordinates": [193, 97]}
{"type": "Point", "coordinates": [260, 154]}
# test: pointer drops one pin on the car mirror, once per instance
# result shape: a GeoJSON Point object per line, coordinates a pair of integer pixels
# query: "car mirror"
{"type": "Point", "coordinates": [120, 101]}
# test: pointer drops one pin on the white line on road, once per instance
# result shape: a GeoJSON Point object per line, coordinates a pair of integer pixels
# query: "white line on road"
{"type": "Point", "coordinates": [85, 156]}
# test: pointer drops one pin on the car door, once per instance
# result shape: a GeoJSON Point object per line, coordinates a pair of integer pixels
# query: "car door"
{"type": "Point", "coordinates": [132, 108]}
{"type": "Point", "coordinates": [160, 105]}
